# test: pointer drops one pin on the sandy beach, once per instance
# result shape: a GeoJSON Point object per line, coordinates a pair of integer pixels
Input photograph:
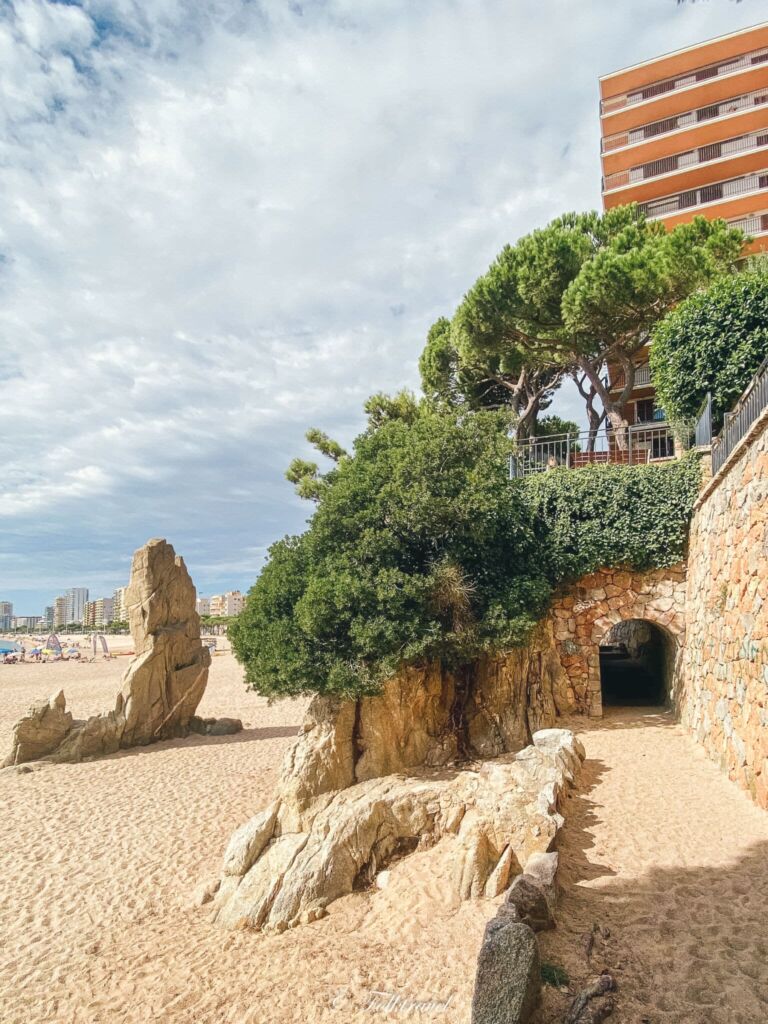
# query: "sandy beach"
{"type": "Point", "coordinates": [100, 862]}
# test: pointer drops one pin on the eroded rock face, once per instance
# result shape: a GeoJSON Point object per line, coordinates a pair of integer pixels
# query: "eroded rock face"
{"type": "Point", "coordinates": [161, 687]}
{"type": "Point", "coordinates": [44, 727]}
{"type": "Point", "coordinates": [286, 865]}
{"type": "Point", "coordinates": [166, 681]}
{"type": "Point", "coordinates": [411, 724]}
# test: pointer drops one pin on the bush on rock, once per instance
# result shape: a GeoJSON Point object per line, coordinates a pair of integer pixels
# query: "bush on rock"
{"type": "Point", "coordinates": [421, 549]}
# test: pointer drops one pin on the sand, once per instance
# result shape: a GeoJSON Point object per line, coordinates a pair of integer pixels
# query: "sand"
{"type": "Point", "coordinates": [99, 862]}
{"type": "Point", "coordinates": [672, 858]}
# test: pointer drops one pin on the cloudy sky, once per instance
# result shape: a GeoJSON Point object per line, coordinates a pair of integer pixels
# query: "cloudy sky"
{"type": "Point", "coordinates": [224, 221]}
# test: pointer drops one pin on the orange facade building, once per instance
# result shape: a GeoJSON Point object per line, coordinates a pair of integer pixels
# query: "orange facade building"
{"type": "Point", "coordinates": [686, 134]}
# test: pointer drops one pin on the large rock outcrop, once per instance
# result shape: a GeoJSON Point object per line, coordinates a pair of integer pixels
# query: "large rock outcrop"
{"type": "Point", "coordinates": [326, 835]}
{"type": "Point", "coordinates": [162, 686]}
{"type": "Point", "coordinates": [412, 724]}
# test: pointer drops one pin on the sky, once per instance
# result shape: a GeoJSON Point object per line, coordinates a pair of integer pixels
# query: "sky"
{"type": "Point", "coordinates": [225, 221]}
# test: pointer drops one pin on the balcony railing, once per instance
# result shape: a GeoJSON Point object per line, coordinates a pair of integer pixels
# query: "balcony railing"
{"type": "Point", "coordinates": [690, 158]}
{"type": "Point", "coordinates": [690, 117]}
{"type": "Point", "coordinates": [741, 417]}
{"type": "Point", "coordinates": [642, 378]}
{"type": "Point", "coordinates": [706, 194]}
{"type": "Point", "coordinates": [725, 67]}
{"type": "Point", "coordinates": [637, 446]}
{"type": "Point", "coordinates": [754, 224]}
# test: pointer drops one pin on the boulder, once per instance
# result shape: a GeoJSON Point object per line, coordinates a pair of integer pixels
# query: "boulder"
{"type": "Point", "coordinates": [527, 903]}
{"type": "Point", "coordinates": [507, 982]}
{"type": "Point", "coordinates": [541, 868]}
{"type": "Point", "coordinates": [215, 726]}
{"type": "Point", "coordinates": [39, 733]}
{"type": "Point", "coordinates": [225, 727]}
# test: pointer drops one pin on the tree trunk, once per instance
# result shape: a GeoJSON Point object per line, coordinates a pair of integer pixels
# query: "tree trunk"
{"type": "Point", "coordinates": [594, 418]}
{"type": "Point", "coordinates": [615, 408]}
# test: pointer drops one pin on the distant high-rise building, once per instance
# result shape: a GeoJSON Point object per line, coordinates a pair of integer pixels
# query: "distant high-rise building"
{"type": "Point", "coordinates": [686, 134]}
{"type": "Point", "coordinates": [119, 610]}
{"type": "Point", "coordinates": [60, 612]}
{"type": "Point", "coordinates": [47, 619]}
{"type": "Point", "coordinates": [6, 615]}
{"type": "Point", "coordinates": [77, 598]}
{"type": "Point", "coordinates": [203, 606]}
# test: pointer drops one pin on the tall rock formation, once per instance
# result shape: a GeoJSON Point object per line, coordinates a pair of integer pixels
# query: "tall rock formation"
{"type": "Point", "coordinates": [161, 687]}
{"type": "Point", "coordinates": [166, 681]}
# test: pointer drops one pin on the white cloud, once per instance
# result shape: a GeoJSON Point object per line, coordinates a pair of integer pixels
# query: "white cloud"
{"type": "Point", "coordinates": [223, 222]}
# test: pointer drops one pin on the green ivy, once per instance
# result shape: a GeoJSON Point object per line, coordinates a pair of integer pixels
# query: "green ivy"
{"type": "Point", "coordinates": [609, 516]}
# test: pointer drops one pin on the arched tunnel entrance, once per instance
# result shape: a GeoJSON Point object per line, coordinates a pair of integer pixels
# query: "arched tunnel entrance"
{"type": "Point", "coordinates": [636, 664]}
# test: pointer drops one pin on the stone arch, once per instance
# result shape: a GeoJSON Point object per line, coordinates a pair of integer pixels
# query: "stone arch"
{"type": "Point", "coordinates": [583, 613]}
{"type": "Point", "coordinates": [642, 669]}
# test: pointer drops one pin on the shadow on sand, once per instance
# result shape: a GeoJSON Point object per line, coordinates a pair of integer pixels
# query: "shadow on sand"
{"type": "Point", "coordinates": [687, 945]}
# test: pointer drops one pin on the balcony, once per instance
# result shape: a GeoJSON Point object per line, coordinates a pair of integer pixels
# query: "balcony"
{"type": "Point", "coordinates": [680, 121]}
{"type": "Point", "coordinates": [640, 445]}
{"type": "Point", "coordinates": [696, 197]}
{"type": "Point", "coordinates": [754, 224]}
{"type": "Point", "coordinates": [704, 74]}
{"type": "Point", "coordinates": [642, 378]}
{"type": "Point", "coordinates": [690, 158]}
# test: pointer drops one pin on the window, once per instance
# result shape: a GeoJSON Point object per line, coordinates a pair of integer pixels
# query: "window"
{"type": "Point", "coordinates": [644, 410]}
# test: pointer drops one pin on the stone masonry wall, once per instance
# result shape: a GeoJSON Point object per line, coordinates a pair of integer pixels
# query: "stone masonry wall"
{"type": "Point", "coordinates": [583, 614]}
{"type": "Point", "coordinates": [724, 699]}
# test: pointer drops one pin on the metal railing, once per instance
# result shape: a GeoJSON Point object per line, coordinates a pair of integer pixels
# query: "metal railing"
{"type": "Point", "coordinates": [741, 417]}
{"type": "Point", "coordinates": [704, 74]}
{"type": "Point", "coordinates": [685, 120]}
{"type": "Point", "coordinates": [642, 378]}
{"type": "Point", "coordinates": [706, 194]}
{"type": "Point", "coordinates": [637, 446]}
{"type": "Point", "coordinates": [690, 158]}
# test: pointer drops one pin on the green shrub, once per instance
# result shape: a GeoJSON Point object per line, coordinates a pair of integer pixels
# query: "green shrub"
{"type": "Point", "coordinates": [422, 549]}
{"type": "Point", "coordinates": [552, 974]}
{"type": "Point", "coordinates": [713, 342]}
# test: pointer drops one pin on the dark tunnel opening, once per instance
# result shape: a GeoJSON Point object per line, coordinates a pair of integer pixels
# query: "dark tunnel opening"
{"type": "Point", "coordinates": [635, 664]}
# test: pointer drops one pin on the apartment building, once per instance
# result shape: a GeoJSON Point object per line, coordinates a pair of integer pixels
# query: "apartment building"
{"type": "Point", "coordinates": [686, 134]}
{"type": "Point", "coordinates": [119, 609]}
{"type": "Point", "coordinates": [6, 615]}
{"type": "Point", "coordinates": [203, 606]}
{"type": "Point", "coordinates": [227, 604]}
{"type": "Point", "coordinates": [60, 610]}
{"type": "Point", "coordinates": [98, 613]}
{"type": "Point", "coordinates": [30, 622]}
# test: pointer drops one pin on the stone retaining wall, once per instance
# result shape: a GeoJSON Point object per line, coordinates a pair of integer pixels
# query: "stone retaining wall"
{"type": "Point", "coordinates": [724, 697]}
{"type": "Point", "coordinates": [584, 613]}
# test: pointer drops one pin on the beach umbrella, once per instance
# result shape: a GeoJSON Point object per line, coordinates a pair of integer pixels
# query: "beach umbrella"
{"type": "Point", "coordinates": [8, 648]}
